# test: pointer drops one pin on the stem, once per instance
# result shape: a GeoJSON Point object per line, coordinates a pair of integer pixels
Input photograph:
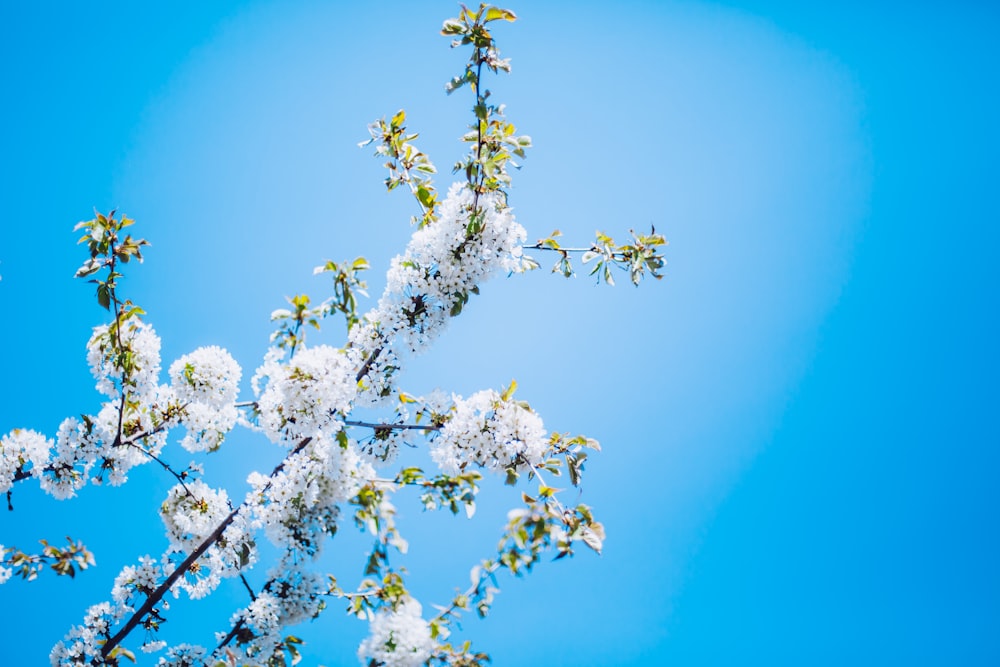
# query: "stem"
{"type": "Point", "coordinates": [469, 592]}
{"type": "Point", "coordinates": [539, 246]}
{"type": "Point", "coordinates": [480, 100]}
{"type": "Point", "coordinates": [246, 584]}
{"type": "Point", "coordinates": [112, 293]}
{"type": "Point", "coordinates": [166, 466]}
{"type": "Point", "coordinates": [552, 498]}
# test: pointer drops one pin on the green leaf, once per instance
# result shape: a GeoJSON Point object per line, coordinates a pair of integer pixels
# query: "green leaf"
{"type": "Point", "coordinates": [495, 13]}
{"type": "Point", "coordinates": [509, 391]}
{"type": "Point", "coordinates": [121, 651]}
{"type": "Point", "coordinates": [104, 296]}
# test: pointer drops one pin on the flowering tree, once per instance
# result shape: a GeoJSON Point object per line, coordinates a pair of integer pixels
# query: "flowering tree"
{"type": "Point", "coordinates": [311, 402]}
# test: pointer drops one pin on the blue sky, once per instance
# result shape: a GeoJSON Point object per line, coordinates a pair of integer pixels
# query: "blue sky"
{"type": "Point", "coordinates": [799, 423]}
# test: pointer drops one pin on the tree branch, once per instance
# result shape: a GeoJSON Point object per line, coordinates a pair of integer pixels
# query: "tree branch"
{"type": "Point", "coordinates": [394, 427]}
{"type": "Point", "coordinates": [185, 565]}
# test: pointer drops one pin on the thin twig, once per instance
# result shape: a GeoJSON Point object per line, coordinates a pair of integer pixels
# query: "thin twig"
{"type": "Point", "coordinates": [540, 246]}
{"type": "Point", "coordinates": [166, 466]}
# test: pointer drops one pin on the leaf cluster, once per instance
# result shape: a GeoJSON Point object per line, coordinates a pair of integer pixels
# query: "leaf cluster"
{"type": "Point", "coordinates": [406, 163]}
{"type": "Point", "coordinates": [106, 249]}
{"type": "Point", "coordinates": [453, 492]}
{"type": "Point", "coordinates": [642, 254]}
{"type": "Point", "coordinates": [347, 285]}
{"type": "Point", "coordinates": [64, 561]}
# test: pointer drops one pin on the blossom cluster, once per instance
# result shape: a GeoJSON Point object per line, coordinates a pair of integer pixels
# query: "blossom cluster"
{"type": "Point", "coordinates": [19, 448]}
{"type": "Point", "coordinates": [305, 397]}
{"type": "Point", "coordinates": [125, 358]}
{"type": "Point", "coordinates": [491, 432]}
{"type": "Point", "coordinates": [192, 511]}
{"type": "Point", "coordinates": [474, 238]}
{"type": "Point", "coordinates": [206, 383]}
{"type": "Point", "coordinates": [298, 505]}
{"type": "Point", "coordinates": [292, 594]}
{"type": "Point", "coordinates": [132, 580]}
{"type": "Point", "coordinates": [83, 642]}
{"type": "Point", "coordinates": [400, 638]}
{"type": "Point", "coordinates": [132, 426]}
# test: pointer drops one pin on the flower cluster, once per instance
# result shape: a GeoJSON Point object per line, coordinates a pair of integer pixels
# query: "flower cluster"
{"type": "Point", "coordinates": [382, 448]}
{"type": "Point", "coordinates": [291, 595]}
{"type": "Point", "coordinates": [206, 383]}
{"type": "Point", "coordinates": [75, 452]}
{"type": "Point", "coordinates": [445, 261]}
{"type": "Point", "coordinates": [209, 375]}
{"type": "Point", "coordinates": [491, 432]}
{"type": "Point", "coordinates": [401, 638]}
{"type": "Point", "coordinates": [18, 449]}
{"type": "Point", "coordinates": [141, 579]}
{"type": "Point", "coordinates": [83, 642]}
{"type": "Point", "coordinates": [307, 396]}
{"type": "Point", "coordinates": [190, 514]}
{"type": "Point", "coordinates": [125, 358]}
{"type": "Point", "coordinates": [125, 435]}
{"type": "Point", "coordinates": [183, 655]}
{"type": "Point", "coordinates": [298, 505]}
{"type": "Point", "coordinates": [192, 511]}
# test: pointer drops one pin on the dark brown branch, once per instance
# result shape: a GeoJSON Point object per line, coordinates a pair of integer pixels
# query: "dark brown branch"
{"type": "Point", "coordinates": [161, 590]}
{"type": "Point", "coordinates": [185, 565]}
{"type": "Point", "coordinates": [378, 426]}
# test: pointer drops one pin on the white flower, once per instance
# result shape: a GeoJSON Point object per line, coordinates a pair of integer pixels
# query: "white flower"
{"type": "Point", "coordinates": [297, 506]}
{"type": "Point", "coordinates": [305, 397]}
{"type": "Point", "coordinates": [442, 265]}
{"type": "Point", "coordinates": [183, 655]}
{"type": "Point", "coordinates": [398, 639]}
{"type": "Point", "coordinates": [263, 614]}
{"type": "Point", "coordinates": [19, 448]}
{"type": "Point", "coordinates": [135, 372]}
{"type": "Point", "coordinates": [74, 455]}
{"type": "Point", "coordinates": [207, 426]}
{"type": "Point", "coordinates": [153, 646]}
{"type": "Point", "coordinates": [209, 376]}
{"type": "Point", "coordinates": [191, 513]}
{"type": "Point", "coordinates": [206, 383]}
{"type": "Point", "coordinates": [491, 433]}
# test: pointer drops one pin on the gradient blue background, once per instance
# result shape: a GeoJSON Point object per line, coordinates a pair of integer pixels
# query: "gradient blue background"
{"type": "Point", "coordinates": [799, 423]}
